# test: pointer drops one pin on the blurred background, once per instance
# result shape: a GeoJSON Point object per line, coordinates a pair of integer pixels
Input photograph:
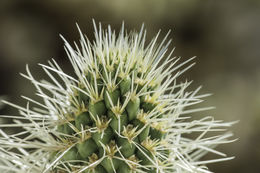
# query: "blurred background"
{"type": "Point", "coordinates": [224, 35]}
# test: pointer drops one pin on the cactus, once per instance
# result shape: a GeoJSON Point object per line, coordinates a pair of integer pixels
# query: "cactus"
{"type": "Point", "coordinates": [124, 112]}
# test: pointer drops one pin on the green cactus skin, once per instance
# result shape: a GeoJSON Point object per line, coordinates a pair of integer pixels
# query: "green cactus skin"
{"type": "Point", "coordinates": [72, 154]}
{"type": "Point", "coordinates": [82, 119]}
{"type": "Point", "coordinates": [103, 138]}
{"type": "Point", "coordinates": [86, 148]}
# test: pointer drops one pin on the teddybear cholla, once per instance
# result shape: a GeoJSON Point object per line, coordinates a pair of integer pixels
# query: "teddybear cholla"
{"type": "Point", "coordinates": [123, 112]}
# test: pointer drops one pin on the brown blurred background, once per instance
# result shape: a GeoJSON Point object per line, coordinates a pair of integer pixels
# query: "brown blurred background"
{"type": "Point", "coordinates": [224, 35]}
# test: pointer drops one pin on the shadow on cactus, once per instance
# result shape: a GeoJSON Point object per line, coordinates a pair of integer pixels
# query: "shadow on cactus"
{"type": "Point", "coordinates": [124, 113]}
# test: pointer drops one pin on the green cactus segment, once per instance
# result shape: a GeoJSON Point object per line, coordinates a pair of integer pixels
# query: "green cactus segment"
{"type": "Point", "coordinates": [112, 96]}
{"type": "Point", "coordinates": [83, 119]}
{"type": "Point", "coordinates": [99, 169]}
{"type": "Point", "coordinates": [145, 130]}
{"type": "Point", "coordinates": [86, 148]}
{"type": "Point", "coordinates": [103, 137]}
{"type": "Point", "coordinates": [94, 79]}
{"type": "Point", "coordinates": [108, 73]}
{"type": "Point", "coordinates": [140, 84]}
{"type": "Point", "coordinates": [148, 105]}
{"type": "Point", "coordinates": [165, 153]}
{"type": "Point", "coordinates": [127, 148]}
{"type": "Point", "coordinates": [97, 109]}
{"type": "Point", "coordinates": [157, 134]}
{"type": "Point", "coordinates": [133, 108]}
{"type": "Point", "coordinates": [110, 164]}
{"type": "Point", "coordinates": [72, 154]}
{"type": "Point", "coordinates": [145, 156]}
{"type": "Point", "coordinates": [100, 84]}
{"type": "Point", "coordinates": [116, 120]}
{"type": "Point", "coordinates": [66, 128]}
{"type": "Point", "coordinates": [124, 168]}
{"type": "Point", "coordinates": [125, 85]}
{"type": "Point", "coordinates": [83, 98]}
